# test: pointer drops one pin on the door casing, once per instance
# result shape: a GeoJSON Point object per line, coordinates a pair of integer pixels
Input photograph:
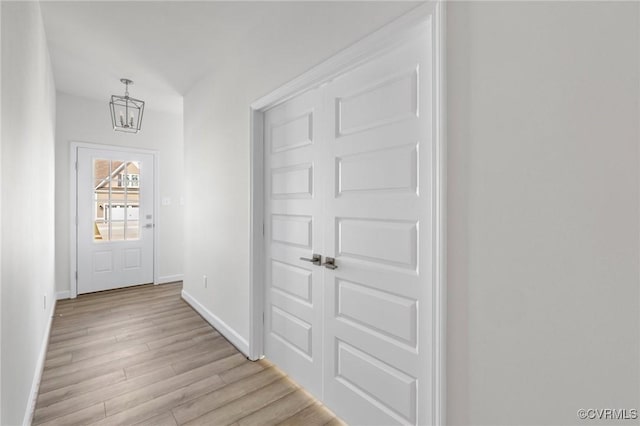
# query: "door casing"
{"type": "Point", "coordinates": [386, 38]}
{"type": "Point", "coordinates": [73, 200]}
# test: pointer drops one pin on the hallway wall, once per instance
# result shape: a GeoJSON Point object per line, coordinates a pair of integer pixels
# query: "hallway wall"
{"type": "Point", "coordinates": [87, 120]}
{"type": "Point", "coordinates": [543, 293]}
{"type": "Point", "coordinates": [27, 204]}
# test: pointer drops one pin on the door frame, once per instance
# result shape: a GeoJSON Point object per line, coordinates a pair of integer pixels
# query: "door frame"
{"type": "Point", "coordinates": [382, 40]}
{"type": "Point", "coordinates": [73, 203]}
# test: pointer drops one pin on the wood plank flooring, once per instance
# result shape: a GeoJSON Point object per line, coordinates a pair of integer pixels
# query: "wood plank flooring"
{"type": "Point", "coordinates": [142, 356]}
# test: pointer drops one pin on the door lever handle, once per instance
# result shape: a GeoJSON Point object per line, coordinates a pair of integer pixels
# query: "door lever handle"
{"type": "Point", "coordinates": [316, 259]}
{"type": "Point", "coordinates": [330, 263]}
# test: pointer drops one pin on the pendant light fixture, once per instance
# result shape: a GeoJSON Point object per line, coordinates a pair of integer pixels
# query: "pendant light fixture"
{"type": "Point", "coordinates": [126, 112]}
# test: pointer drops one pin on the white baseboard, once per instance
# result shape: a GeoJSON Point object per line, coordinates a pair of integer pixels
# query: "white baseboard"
{"type": "Point", "coordinates": [230, 334]}
{"type": "Point", "coordinates": [169, 279]}
{"type": "Point", "coordinates": [35, 385]}
{"type": "Point", "coordinates": [62, 295]}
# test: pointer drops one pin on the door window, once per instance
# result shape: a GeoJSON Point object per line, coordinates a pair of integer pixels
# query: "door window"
{"type": "Point", "coordinates": [116, 197]}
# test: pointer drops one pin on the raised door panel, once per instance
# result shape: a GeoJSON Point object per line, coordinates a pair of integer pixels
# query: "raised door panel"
{"type": "Point", "coordinates": [102, 261]}
{"type": "Point", "coordinates": [293, 230]}
{"type": "Point", "coordinates": [359, 173]}
{"type": "Point", "coordinates": [393, 98]}
{"type": "Point", "coordinates": [292, 280]}
{"type": "Point", "coordinates": [377, 242]}
{"type": "Point", "coordinates": [132, 258]}
{"type": "Point", "coordinates": [293, 331]}
{"type": "Point", "coordinates": [380, 312]}
{"type": "Point", "coordinates": [292, 182]}
{"type": "Point", "coordinates": [293, 133]}
{"type": "Point", "coordinates": [379, 383]}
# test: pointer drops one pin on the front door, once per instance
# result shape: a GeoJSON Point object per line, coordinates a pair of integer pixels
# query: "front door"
{"type": "Point", "coordinates": [115, 234]}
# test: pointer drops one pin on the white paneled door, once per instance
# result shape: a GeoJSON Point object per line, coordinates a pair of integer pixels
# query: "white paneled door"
{"type": "Point", "coordinates": [115, 236]}
{"type": "Point", "coordinates": [377, 226]}
{"type": "Point", "coordinates": [293, 232]}
{"type": "Point", "coordinates": [349, 171]}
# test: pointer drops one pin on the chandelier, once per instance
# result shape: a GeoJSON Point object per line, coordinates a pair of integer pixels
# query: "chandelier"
{"type": "Point", "coordinates": [126, 112]}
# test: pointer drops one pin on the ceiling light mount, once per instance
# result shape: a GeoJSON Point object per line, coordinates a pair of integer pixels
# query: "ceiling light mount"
{"type": "Point", "coordinates": [126, 112]}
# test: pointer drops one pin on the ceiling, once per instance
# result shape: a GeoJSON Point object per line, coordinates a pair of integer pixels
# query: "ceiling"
{"type": "Point", "coordinates": [167, 46]}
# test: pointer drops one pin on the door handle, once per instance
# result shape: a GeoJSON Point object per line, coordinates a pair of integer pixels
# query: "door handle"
{"type": "Point", "coordinates": [316, 259]}
{"type": "Point", "coordinates": [330, 263]}
{"type": "Point", "coordinates": [149, 225]}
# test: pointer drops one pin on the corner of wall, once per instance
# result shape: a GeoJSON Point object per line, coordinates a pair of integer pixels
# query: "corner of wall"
{"type": "Point", "coordinates": [223, 328]}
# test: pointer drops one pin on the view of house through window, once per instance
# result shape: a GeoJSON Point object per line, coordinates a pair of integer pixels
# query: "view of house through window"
{"type": "Point", "coordinates": [116, 200]}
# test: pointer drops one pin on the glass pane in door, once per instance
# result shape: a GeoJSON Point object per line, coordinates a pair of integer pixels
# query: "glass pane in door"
{"type": "Point", "coordinates": [116, 200]}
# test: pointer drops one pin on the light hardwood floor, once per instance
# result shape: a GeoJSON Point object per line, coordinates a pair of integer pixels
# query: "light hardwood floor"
{"type": "Point", "coordinates": [142, 356]}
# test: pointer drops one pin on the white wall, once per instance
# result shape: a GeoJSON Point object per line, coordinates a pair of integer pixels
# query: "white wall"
{"type": "Point", "coordinates": [87, 120]}
{"type": "Point", "coordinates": [543, 293]}
{"type": "Point", "coordinates": [216, 114]}
{"type": "Point", "coordinates": [27, 174]}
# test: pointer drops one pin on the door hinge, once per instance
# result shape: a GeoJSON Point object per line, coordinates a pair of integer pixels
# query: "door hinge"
{"type": "Point", "coordinates": [263, 229]}
{"type": "Point", "coordinates": [263, 318]}
{"type": "Point", "coordinates": [76, 220]}
{"type": "Point", "coordinates": [76, 165]}
{"type": "Point", "coordinates": [76, 275]}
